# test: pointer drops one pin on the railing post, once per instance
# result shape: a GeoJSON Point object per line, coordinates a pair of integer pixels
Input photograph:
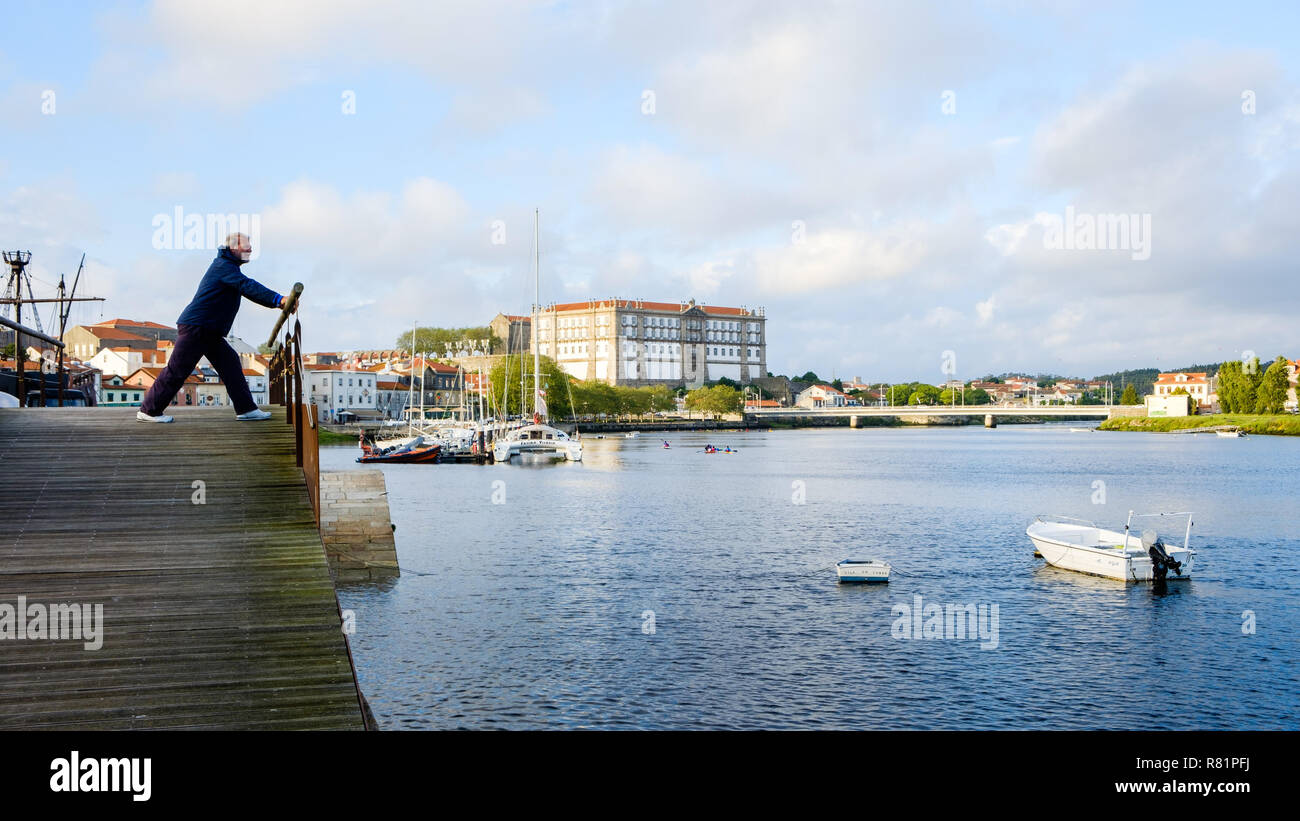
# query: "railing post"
{"type": "Point", "coordinates": [297, 388]}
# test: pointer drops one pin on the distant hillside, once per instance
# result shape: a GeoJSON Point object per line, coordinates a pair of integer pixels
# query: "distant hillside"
{"type": "Point", "coordinates": [1142, 379]}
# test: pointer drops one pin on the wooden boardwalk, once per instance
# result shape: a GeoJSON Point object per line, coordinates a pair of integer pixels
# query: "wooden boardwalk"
{"type": "Point", "coordinates": [218, 615]}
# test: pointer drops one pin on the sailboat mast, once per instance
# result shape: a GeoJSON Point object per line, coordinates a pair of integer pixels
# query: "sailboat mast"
{"type": "Point", "coordinates": [537, 293]}
{"type": "Point", "coordinates": [410, 392]}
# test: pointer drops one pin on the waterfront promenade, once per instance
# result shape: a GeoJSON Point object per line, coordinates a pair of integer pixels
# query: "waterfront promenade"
{"type": "Point", "coordinates": [199, 541]}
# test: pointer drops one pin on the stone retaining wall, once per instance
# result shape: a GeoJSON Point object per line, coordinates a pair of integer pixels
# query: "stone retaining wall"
{"type": "Point", "coordinates": [355, 525]}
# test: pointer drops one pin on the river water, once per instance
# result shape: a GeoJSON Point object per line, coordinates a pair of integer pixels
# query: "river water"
{"type": "Point", "coordinates": [657, 588]}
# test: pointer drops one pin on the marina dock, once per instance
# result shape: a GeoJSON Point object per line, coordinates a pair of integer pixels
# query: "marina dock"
{"type": "Point", "coordinates": [200, 542]}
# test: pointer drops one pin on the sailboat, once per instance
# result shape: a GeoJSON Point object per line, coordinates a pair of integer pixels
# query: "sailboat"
{"type": "Point", "coordinates": [539, 438]}
{"type": "Point", "coordinates": [415, 447]}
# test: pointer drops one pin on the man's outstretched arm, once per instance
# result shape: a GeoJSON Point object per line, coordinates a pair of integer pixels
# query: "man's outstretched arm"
{"type": "Point", "coordinates": [254, 290]}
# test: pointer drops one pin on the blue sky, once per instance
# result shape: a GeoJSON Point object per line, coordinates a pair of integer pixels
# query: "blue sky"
{"type": "Point", "coordinates": [798, 157]}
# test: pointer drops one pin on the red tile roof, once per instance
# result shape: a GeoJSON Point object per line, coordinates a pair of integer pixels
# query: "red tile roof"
{"type": "Point", "coordinates": [677, 307]}
{"type": "Point", "coordinates": [828, 389]}
{"type": "Point", "coordinates": [102, 332]}
{"type": "Point", "coordinates": [1172, 378]}
{"type": "Point", "coordinates": [129, 322]}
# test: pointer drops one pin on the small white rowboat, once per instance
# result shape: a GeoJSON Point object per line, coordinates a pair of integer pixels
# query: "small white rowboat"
{"type": "Point", "coordinates": [862, 570]}
{"type": "Point", "coordinates": [1082, 546]}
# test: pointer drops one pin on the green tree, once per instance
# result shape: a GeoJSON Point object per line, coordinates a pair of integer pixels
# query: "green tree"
{"type": "Point", "coordinates": [809, 377]}
{"type": "Point", "coordinates": [633, 401]}
{"type": "Point", "coordinates": [1230, 384]}
{"type": "Point", "coordinates": [662, 398]}
{"type": "Point", "coordinates": [1238, 383]}
{"type": "Point", "coordinates": [1130, 396]}
{"type": "Point", "coordinates": [505, 389]}
{"type": "Point", "coordinates": [717, 400]}
{"type": "Point", "coordinates": [1273, 388]}
{"type": "Point", "coordinates": [838, 384]}
{"type": "Point", "coordinates": [898, 394]}
{"type": "Point", "coordinates": [434, 341]}
{"type": "Point", "coordinates": [965, 396]}
{"type": "Point", "coordinates": [924, 395]}
{"type": "Point", "coordinates": [594, 398]}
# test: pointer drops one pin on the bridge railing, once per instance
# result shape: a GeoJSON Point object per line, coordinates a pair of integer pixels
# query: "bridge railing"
{"type": "Point", "coordinates": [285, 381]}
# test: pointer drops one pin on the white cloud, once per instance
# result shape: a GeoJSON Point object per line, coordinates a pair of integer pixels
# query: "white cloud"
{"type": "Point", "coordinates": [834, 258]}
{"type": "Point", "coordinates": [241, 52]}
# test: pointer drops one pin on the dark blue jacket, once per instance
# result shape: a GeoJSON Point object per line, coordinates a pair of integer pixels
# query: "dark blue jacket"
{"type": "Point", "coordinates": [216, 301]}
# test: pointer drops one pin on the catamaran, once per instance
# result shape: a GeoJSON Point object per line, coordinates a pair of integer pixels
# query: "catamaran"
{"type": "Point", "coordinates": [539, 438]}
{"type": "Point", "coordinates": [1082, 546]}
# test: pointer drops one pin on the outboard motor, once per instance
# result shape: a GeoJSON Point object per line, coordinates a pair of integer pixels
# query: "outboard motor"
{"type": "Point", "coordinates": [1161, 562]}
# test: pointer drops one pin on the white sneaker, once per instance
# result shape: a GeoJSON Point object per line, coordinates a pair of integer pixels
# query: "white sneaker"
{"type": "Point", "coordinates": [253, 416]}
{"type": "Point", "coordinates": [141, 416]}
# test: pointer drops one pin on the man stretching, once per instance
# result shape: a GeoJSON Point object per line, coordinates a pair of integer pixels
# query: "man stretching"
{"type": "Point", "coordinates": [201, 331]}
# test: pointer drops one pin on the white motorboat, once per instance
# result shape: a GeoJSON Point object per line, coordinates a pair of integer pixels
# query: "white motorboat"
{"type": "Point", "coordinates": [1230, 434]}
{"type": "Point", "coordinates": [536, 440]}
{"type": "Point", "coordinates": [1082, 546]}
{"type": "Point", "coordinates": [862, 570]}
{"type": "Point", "coordinates": [632, 434]}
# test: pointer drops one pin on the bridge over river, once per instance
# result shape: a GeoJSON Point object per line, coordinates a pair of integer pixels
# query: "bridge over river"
{"type": "Point", "coordinates": [923, 414]}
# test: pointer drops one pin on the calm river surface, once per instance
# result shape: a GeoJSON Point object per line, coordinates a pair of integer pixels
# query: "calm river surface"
{"type": "Point", "coordinates": [534, 613]}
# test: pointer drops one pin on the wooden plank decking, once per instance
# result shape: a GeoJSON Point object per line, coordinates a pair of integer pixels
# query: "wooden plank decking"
{"type": "Point", "coordinates": [219, 615]}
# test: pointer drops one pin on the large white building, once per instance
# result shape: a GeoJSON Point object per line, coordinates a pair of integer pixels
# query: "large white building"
{"type": "Point", "coordinates": [633, 342]}
{"type": "Point", "coordinates": [335, 389]}
{"type": "Point", "coordinates": [1205, 389]}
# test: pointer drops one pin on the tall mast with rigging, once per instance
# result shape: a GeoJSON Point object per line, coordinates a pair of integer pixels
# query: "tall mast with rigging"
{"type": "Point", "coordinates": [537, 295]}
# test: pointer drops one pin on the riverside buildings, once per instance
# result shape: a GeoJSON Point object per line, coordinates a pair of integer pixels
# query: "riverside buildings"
{"type": "Point", "coordinates": [634, 342]}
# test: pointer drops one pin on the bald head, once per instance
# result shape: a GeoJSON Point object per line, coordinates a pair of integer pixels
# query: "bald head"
{"type": "Point", "coordinates": [240, 245]}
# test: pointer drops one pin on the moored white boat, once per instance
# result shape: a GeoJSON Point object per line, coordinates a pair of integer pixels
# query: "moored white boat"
{"type": "Point", "coordinates": [862, 570]}
{"type": "Point", "coordinates": [1083, 546]}
{"type": "Point", "coordinates": [537, 440]}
